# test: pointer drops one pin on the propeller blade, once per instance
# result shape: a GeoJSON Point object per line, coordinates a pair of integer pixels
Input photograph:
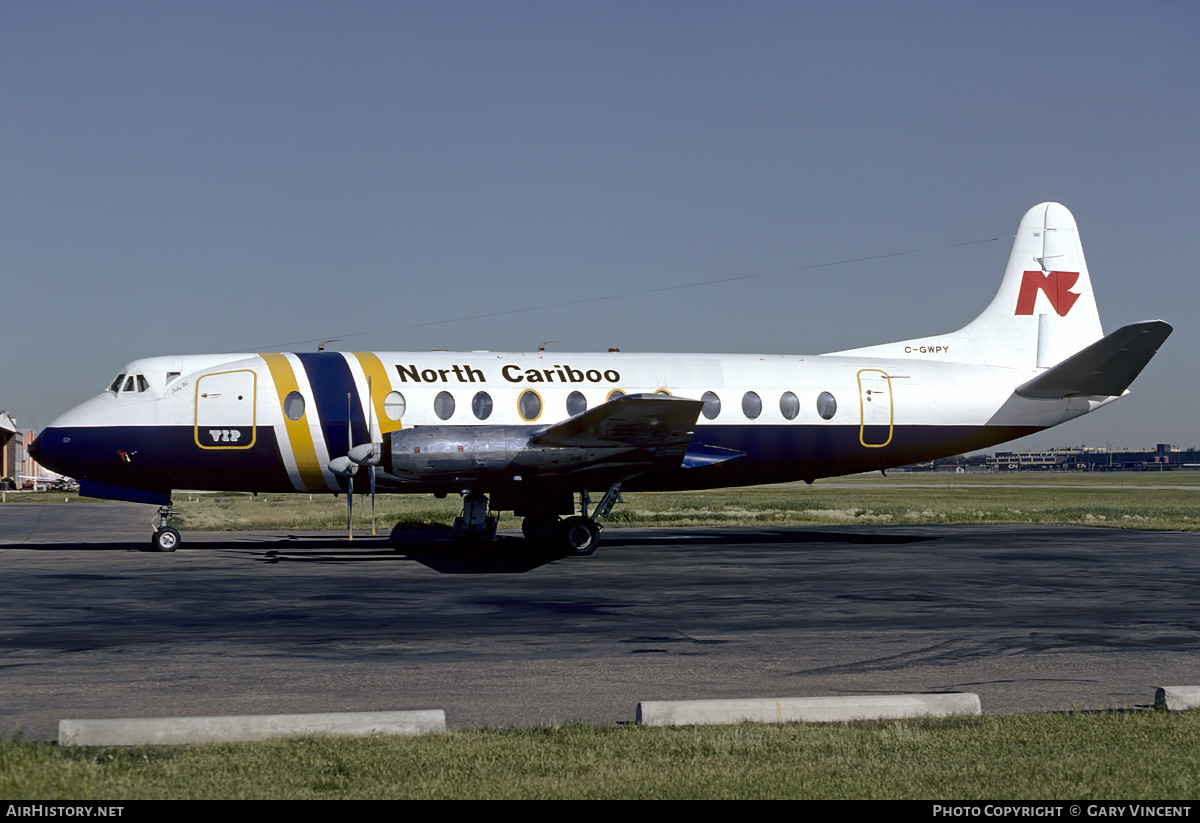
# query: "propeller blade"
{"type": "Point", "coordinates": [371, 439]}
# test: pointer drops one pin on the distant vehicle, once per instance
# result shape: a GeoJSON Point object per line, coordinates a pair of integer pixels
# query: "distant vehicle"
{"type": "Point", "coordinates": [33, 482]}
{"type": "Point", "coordinates": [536, 433]}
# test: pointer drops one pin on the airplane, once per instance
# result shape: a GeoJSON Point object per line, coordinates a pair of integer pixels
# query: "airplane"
{"type": "Point", "coordinates": [538, 433]}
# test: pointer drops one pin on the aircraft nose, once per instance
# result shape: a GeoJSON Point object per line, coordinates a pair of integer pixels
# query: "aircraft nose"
{"type": "Point", "coordinates": [48, 451]}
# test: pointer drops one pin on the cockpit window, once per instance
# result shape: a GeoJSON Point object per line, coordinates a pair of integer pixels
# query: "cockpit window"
{"type": "Point", "coordinates": [115, 386]}
{"type": "Point", "coordinates": [141, 383]}
{"type": "Point", "coordinates": [128, 384]}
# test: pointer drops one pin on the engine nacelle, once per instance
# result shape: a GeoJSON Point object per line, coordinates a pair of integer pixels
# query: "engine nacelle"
{"type": "Point", "coordinates": [499, 453]}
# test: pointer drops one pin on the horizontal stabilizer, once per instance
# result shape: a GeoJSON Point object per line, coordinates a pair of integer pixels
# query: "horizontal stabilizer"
{"type": "Point", "coordinates": [701, 455]}
{"type": "Point", "coordinates": [636, 420]}
{"type": "Point", "coordinates": [1105, 368]}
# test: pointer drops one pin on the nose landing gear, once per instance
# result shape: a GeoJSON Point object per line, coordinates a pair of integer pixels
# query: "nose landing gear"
{"type": "Point", "coordinates": [165, 538]}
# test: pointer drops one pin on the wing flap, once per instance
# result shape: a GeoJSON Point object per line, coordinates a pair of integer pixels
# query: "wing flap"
{"type": "Point", "coordinates": [1105, 368]}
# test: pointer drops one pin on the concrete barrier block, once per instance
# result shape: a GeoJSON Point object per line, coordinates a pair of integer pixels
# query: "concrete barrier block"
{"type": "Point", "coordinates": [1177, 698]}
{"type": "Point", "coordinates": [243, 728]}
{"type": "Point", "coordinates": [804, 709]}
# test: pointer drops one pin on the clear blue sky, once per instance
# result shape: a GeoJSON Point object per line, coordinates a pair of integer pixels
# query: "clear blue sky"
{"type": "Point", "coordinates": [187, 177]}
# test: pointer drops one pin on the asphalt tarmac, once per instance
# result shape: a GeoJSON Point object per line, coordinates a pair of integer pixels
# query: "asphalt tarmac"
{"type": "Point", "coordinates": [1031, 618]}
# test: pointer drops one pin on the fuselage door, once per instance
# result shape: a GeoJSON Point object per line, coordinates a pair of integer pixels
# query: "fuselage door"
{"type": "Point", "coordinates": [875, 400]}
{"type": "Point", "coordinates": [225, 410]}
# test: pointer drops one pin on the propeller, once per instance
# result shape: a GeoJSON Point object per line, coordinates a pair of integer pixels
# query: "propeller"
{"type": "Point", "coordinates": [364, 454]}
{"type": "Point", "coordinates": [346, 467]}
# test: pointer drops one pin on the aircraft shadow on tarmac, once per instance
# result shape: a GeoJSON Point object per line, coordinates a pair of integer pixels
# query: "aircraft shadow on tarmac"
{"type": "Point", "coordinates": [438, 550]}
{"type": "Point", "coordinates": [514, 555]}
{"type": "Point", "coordinates": [717, 537]}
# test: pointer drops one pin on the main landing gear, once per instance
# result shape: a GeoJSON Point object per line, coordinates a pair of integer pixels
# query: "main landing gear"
{"type": "Point", "coordinates": [579, 534]}
{"type": "Point", "coordinates": [475, 523]}
{"type": "Point", "coordinates": [165, 538]}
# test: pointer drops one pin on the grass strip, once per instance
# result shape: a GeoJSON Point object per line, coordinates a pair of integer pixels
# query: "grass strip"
{"type": "Point", "coordinates": [1147, 500]}
{"type": "Point", "coordinates": [1072, 756]}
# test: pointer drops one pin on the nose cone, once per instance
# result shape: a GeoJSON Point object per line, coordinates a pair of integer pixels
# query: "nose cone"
{"type": "Point", "coordinates": [67, 445]}
{"type": "Point", "coordinates": [47, 450]}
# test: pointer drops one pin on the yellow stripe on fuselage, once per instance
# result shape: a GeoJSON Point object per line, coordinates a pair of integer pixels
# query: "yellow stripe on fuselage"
{"type": "Point", "coordinates": [298, 433]}
{"type": "Point", "coordinates": [373, 368]}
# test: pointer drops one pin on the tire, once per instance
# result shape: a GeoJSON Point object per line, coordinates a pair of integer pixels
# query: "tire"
{"type": "Point", "coordinates": [165, 539]}
{"type": "Point", "coordinates": [579, 535]}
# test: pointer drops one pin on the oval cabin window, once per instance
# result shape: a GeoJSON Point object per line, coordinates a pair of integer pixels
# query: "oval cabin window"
{"type": "Point", "coordinates": [826, 405]}
{"type": "Point", "coordinates": [751, 405]}
{"type": "Point", "coordinates": [443, 405]}
{"type": "Point", "coordinates": [789, 405]}
{"type": "Point", "coordinates": [481, 405]}
{"type": "Point", "coordinates": [529, 404]}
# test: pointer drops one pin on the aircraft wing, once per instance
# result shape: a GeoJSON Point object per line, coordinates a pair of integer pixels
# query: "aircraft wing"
{"type": "Point", "coordinates": [1105, 368]}
{"type": "Point", "coordinates": [654, 422]}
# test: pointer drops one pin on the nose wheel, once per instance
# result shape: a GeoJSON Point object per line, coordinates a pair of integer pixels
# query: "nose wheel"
{"type": "Point", "coordinates": [165, 538]}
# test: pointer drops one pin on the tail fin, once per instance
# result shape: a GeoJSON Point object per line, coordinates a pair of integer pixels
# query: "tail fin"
{"type": "Point", "coordinates": [1043, 313]}
{"type": "Point", "coordinates": [1045, 305]}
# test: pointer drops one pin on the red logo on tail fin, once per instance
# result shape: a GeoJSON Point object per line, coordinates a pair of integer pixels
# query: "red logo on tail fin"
{"type": "Point", "coordinates": [1054, 285]}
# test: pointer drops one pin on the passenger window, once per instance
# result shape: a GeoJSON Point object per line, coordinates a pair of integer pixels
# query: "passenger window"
{"type": "Point", "coordinates": [712, 405]}
{"type": "Point", "coordinates": [443, 405]}
{"type": "Point", "coordinates": [826, 405]}
{"type": "Point", "coordinates": [394, 405]}
{"type": "Point", "coordinates": [293, 405]}
{"type": "Point", "coordinates": [789, 405]}
{"type": "Point", "coordinates": [614, 394]}
{"type": "Point", "coordinates": [172, 375]}
{"type": "Point", "coordinates": [481, 405]}
{"type": "Point", "coordinates": [751, 405]}
{"type": "Point", "coordinates": [529, 404]}
{"type": "Point", "coordinates": [576, 403]}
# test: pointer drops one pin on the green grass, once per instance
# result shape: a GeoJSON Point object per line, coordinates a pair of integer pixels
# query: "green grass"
{"type": "Point", "coordinates": [1134, 500]}
{"type": "Point", "coordinates": [1108, 755]}
{"type": "Point", "coordinates": [1119, 501]}
{"type": "Point", "coordinates": [1136, 508]}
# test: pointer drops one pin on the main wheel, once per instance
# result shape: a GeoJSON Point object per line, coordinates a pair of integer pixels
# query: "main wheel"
{"type": "Point", "coordinates": [165, 539]}
{"type": "Point", "coordinates": [580, 535]}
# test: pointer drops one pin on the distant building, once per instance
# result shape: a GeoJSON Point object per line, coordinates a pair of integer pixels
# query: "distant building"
{"type": "Point", "coordinates": [1018, 461]}
{"type": "Point", "coordinates": [1163, 456]}
{"type": "Point", "coordinates": [12, 448]}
